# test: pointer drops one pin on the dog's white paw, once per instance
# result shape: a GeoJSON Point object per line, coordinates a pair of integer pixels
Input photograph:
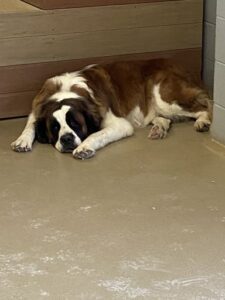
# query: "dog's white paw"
{"type": "Point", "coordinates": [157, 132]}
{"type": "Point", "coordinates": [22, 144]}
{"type": "Point", "coordinates": [83, 152]}
{"type": "Point", "coordinates": [202, 125]}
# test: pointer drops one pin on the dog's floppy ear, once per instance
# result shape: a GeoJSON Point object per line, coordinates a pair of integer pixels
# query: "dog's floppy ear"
{"type": "Point", "coordinates": [41, 131]}
{"type": "Point", "coordinates": [92, 119]}
{"type": "Point", "coordinates": [92, 123]}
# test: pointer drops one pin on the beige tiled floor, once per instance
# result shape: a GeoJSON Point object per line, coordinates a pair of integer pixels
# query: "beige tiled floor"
{"type": "Point", "coordinates": [142, 220]}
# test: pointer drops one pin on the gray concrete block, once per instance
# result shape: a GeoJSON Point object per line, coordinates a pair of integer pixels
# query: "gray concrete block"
{"type": "Point", "coordinates": [220, 39]}
{"type": "Point", "coordinates": [208, 75]}
{"type": "Point", "coordinates": [219, 87]}
{"type": "Point", "coordinates": [220, 7]}
{"type": "Point", "coordinates": [209, 41]}
{"type": "Point", "coordinates": [210, 11]}
{"type": "Point", "coordinates": [218, 126]}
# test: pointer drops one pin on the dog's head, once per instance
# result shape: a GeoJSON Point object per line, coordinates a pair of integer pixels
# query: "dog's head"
{"type": "Point", "coordinates": [67, 123]}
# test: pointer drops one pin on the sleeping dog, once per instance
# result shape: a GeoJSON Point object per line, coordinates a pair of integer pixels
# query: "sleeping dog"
{"type": "Point", "coordinates": [83, 111]}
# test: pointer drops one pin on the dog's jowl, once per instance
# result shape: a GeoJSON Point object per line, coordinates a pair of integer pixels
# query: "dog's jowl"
{"type": "Point", "coordinates": [83, 111]}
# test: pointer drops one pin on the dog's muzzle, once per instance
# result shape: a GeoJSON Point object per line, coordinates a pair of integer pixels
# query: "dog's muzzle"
{"type": "Point", "coordinates": [68, 142]}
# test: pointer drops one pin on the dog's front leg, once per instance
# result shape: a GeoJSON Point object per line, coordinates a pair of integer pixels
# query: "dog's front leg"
{"type": "Point", "coordinates": [112, 131]}
{"type": "Point", "coordinates": [26, 139]}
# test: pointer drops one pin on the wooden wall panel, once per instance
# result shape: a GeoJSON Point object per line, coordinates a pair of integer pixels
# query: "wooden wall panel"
{"type": "Point", "coordinates": [19, 84]}
{"type": "Point", "coordinates": [16, 104]}
{"type": "Point", "coordinates": [100, 43]}
{"type": "Point", "coordinates": [53, 4]}
{"type": "Point", "coordinates": [15, 6]}
{"type": "Point", "coordinates": [37, 44]}
{"type": "Point", "coordinates": [30, 77]}
{"type": "Point", "coordinates": [104, 18]}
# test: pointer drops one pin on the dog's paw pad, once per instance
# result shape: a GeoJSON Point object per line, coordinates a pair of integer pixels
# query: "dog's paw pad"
{"type": "Point", "coordinates": [21, 146]}
{"type": "Point", "coordinates": [22, 149]}
{"type": "Point", "coordinates": [83, 153]}
{"type": "Point", "coordinates": [157, 132]}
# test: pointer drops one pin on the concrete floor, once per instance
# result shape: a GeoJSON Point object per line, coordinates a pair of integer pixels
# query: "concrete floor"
{"type": "Point", "coordinates": [142, 220]}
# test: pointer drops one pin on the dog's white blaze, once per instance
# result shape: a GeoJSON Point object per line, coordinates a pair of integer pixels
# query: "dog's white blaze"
{"type": "Point", "coordinates": [60, 116]}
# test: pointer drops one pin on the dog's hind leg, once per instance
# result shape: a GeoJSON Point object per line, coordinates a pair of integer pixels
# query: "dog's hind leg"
{"type": "Point", "coordinates": [198, 107]}
{"type": "Point", "coordinates": [204, 115]}
{"type": "Point", "coordinates": [178, 98]}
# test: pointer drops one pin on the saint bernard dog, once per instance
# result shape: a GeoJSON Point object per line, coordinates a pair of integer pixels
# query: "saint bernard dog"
{"type": "Point", "coordinates": [83, 111]}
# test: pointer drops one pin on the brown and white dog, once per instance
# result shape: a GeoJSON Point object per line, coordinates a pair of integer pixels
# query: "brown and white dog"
{"type": "Point", "coordinates": [83, 111]}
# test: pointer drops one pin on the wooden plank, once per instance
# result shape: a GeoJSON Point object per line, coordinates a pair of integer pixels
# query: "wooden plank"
{"type": "Point", "coordinates": [101, 43]}
{"type": "Point", "coordinates": [16, 104]}
{"type": "Point", "coordinates": [100, 18]}
{"type": "Point", "coordinates": [15, 6]}
{"type": "Point", "coordinates": [53, 4]}
{"type": "Point", "coordinates": [33, 76]}
{"type": "Point", "coordinates": [29, 77]}
{"type": "Point", "coordinates": [103, 18]}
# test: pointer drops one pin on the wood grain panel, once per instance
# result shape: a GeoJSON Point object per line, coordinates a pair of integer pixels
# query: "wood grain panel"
{"type": "Point", "coordinates": [100, 18]}
{"type": "Point", "coordinates": [53, 4]}
{"type": "Point", "coordinates": [16, 104]}
{"type": "Point", "coordinates": [101, 43]}
{"type": "Point", "coordinates": [26, 80]}
{"type": "Point", "coordinates": [15, 6]}
{"type": "Point", "coordinates": [29, 77]}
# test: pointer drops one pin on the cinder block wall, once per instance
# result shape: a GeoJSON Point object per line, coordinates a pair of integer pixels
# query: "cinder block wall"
{"type": "Point", "coordinates": [218, 128]}
{"type": "Point", "coordinates": [209, 43]}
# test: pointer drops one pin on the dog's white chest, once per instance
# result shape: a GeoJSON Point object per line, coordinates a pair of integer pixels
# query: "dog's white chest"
{"type": "Point", "coordinates": [136, 117]}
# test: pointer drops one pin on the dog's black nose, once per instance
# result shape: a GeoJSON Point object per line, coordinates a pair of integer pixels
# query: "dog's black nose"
{"type": "Point", "coordinates": [67, 139]}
